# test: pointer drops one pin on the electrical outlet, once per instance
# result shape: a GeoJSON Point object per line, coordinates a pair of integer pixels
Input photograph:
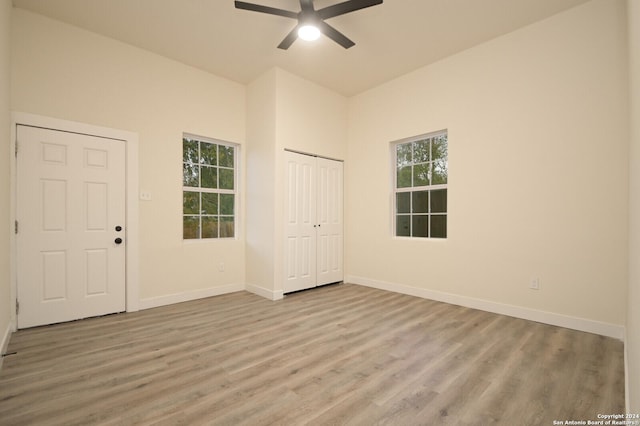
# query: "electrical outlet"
{"type": "Point", "coordinates": [145, 195]}
{"type": "Point", "coordinates": [534, 284]}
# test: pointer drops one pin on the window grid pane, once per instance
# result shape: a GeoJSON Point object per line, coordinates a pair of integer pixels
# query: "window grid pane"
{"type": "Point", "coordinates": [403, 225]}
{"type": "Point", "coordinates": [208, 189]}
{"type": "Point", "coordinates": [191, 227]}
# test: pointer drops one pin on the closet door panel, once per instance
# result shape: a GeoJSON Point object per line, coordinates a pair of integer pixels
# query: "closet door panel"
{"type": "Point", "coordinates": [300, 227]}
{"type": "Point", "coordinates": [330, 221]}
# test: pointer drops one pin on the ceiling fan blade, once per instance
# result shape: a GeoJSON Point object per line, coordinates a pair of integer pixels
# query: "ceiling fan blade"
{"type": "Point", "coordinates": [306, 5]}
{"type": "Point", "coordinates": [334, 35]}
{"type": "Point", "coordinates": [289, 39]}
{"type": "Point", "coordinates": [265, 9]}
{"type": "Point", "coordinates": [346, 7]}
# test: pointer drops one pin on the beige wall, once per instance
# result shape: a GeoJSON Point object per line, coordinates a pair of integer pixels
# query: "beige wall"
{"type": "Point", "coordinates": [261, 153]}
{"type": "Point", "coordinates": [64, 72]}
{"type": "Point", "coordinates": [537, 123]}
{"type": "Point", "coordinates": [310, 119]}
{"type": "Point", "coordinates": [633, 316]}
{"type": "Point", "coordinates": [96, 80]}
{"type": "Point", "coordinates": [5, 155]}
{"type": "Point", "coordinates": [284, 112]}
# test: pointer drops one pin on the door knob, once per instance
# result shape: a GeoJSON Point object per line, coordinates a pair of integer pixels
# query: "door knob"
{"type": "Point", "coordinates": [118, 228]}
{"type": "Point", "coordinates": [118, 241]}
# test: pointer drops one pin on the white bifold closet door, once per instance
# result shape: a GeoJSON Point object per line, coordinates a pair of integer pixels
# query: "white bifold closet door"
{"type": "Point", "coordinates": [314, 222]}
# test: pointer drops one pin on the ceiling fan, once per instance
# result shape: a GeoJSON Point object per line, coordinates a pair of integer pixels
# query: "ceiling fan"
{"type": "Point", "coordinates": [311, 21]}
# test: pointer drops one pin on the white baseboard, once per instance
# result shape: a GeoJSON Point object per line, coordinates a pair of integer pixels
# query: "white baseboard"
{"type": "Point", "coordinates": [265, 292]}
{"type": "Point", "coordinates": [170, 299]}
{"type": "Point", "coordinates": [4, 344]}
{"type": "Point", "coordinates": [627, 402]}
{"type": "Point", "coordinates": [574, 323]}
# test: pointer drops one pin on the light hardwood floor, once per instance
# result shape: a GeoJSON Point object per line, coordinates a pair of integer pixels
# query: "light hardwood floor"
{"type": "Point", "coordinates": [342, 354]}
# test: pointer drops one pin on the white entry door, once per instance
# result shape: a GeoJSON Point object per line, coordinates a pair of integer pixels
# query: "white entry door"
{"type": "Point", "coordinates": [71, 226]}
{"type": "Point", "coordinates": [314, 224]}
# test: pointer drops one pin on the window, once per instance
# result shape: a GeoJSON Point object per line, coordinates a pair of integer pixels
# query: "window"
{"type": "Point", "coordinates": [420, 190]}
{"type": "Point", "coordinates": [208, 188]}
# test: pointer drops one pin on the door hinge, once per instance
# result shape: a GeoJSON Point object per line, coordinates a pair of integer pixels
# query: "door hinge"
{"type": "Point", "coordinates": [16, 226]}
{"type": "Point", "coordinates": [17, 307]}
{"type": "Point", "coordinates": [16, 148]}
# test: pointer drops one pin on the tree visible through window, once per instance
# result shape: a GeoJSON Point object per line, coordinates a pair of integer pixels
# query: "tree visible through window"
{"type": "Point", "coordinates": [420, 193]}
{"type": "Point", "coordinates": [208, 192]}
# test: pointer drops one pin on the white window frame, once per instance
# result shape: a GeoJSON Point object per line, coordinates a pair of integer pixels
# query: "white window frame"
{"type": "Point", "coordinates": [395, 190]}
{"type": "Point", "coordinates": [201, 190]}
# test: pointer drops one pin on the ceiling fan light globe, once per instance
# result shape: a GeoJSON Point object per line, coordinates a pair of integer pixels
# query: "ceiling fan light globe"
{"type": "Point", "coordinates": [309, 33]}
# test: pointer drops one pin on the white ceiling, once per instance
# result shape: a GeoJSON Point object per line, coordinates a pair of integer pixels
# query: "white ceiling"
{"type": "Point", "coordinates": [391, 39]}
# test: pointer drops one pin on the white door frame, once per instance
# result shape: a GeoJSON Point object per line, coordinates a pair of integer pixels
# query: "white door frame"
{"type": "Point", "coordinates": [131, 141]}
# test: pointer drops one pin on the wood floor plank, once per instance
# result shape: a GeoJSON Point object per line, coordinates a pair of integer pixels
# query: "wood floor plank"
{"type": "Point", "coordinates": [341, 354]}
